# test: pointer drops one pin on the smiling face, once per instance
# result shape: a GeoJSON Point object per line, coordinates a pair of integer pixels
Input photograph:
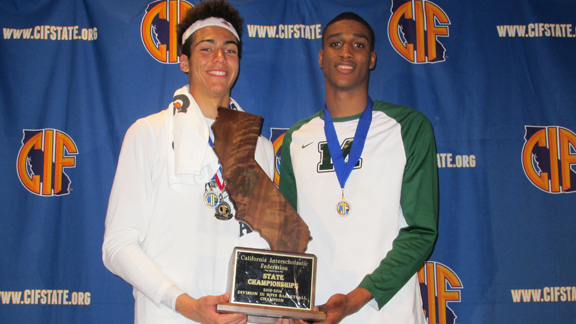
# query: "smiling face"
{"type": "Point", "coordinates": [213, 63]}
{"type": "Point", "coordinates": [346, 58]}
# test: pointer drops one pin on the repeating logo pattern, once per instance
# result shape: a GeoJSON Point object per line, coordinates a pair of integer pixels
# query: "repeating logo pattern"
{"type": "Point", "coordinates": [439, 286]}
{"type": "Point", "coordinates": [414, 28]}
{"type": "Point", "coordinates": [158, 29]}
{"type": "Point", "coordinates": [42, 159]}
{"type": "Point", "coordinates": [549, 158]}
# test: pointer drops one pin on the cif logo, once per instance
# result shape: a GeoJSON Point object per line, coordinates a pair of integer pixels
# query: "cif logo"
{"type": "Point", "coordinates": [414, 28]}
{"type": "Point", "coordinates": [437, 283]}
{"type": "Point", "coordinates": [549, 158]}
{"type": "Point", "coordinates": [41, 161]}
{"type": "Point", "coordinates": [276, 137]}
{"type": "Point", "coordinates": [158, 29]}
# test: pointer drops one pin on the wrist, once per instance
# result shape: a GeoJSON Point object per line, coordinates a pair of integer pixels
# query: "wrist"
{"type": "Point", "coordinates": [171, 295]}
{"type": "Point", "coordinates": [185, 305]}
{"type": "Point", "coordinates": [356, 299]}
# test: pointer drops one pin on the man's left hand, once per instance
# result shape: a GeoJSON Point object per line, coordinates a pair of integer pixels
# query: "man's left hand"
{"type": "Point", "coordinates": [339, 306]}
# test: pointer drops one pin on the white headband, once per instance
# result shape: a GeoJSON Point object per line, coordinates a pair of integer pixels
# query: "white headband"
{"type": "Point", "coordinates": [212, 21]}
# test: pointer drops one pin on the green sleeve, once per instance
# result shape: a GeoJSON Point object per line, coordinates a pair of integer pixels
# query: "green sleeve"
{"type": "Point", "coordinates": [419, 202]}
{"type": "Point", "coordinates": [287, 182]}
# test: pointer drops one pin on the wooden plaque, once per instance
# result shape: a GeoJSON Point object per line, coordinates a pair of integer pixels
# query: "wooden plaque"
{"type": "Point", "coordinates": [257, 201]}
{"type": "Point", "coordinates": [262, 289]}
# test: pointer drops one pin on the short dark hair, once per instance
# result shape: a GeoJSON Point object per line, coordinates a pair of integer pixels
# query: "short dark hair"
{"type": "Point", "coordinates": [207, 9]}
{"type": "Point", "coordinates": [351, 16]}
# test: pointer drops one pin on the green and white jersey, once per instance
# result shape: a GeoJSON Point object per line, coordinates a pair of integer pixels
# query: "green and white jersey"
{"type": "Point", "coordinates": [393, 193]}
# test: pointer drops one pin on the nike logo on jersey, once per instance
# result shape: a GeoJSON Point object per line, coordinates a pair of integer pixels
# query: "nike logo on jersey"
{"type": "Point", "coordinates": [306, 145]}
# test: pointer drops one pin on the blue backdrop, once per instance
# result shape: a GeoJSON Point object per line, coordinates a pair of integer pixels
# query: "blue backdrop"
{"type": "Point", "coordinates": [496, 78]}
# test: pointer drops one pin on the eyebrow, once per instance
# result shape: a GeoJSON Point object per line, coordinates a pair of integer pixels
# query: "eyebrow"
{"type": "Point", "coordinates": [212, 41]}
{"type": "Point", "coordinates": [357, 35]}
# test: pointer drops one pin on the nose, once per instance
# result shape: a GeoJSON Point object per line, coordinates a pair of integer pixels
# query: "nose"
{"type": "Point", "coordinates": [219, 55]}
{"type": "Point", "coordinates": [346, 52]}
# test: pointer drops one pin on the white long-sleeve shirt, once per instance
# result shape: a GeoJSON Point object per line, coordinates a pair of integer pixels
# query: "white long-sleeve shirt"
{"type": "Point", "coordinates": [163, 241]}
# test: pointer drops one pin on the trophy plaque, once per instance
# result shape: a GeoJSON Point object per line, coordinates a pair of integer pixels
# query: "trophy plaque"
{"type": "Point", "coordinates": [263, 284]}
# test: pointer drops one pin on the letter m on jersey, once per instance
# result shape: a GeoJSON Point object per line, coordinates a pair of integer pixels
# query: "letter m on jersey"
{"type": "Point", "coordinates": [414, 28]}
{"type": "Point", "coordinates": [325, 164]}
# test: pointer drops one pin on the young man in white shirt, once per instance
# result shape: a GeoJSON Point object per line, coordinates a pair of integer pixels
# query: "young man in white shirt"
{"type": "Point", "coordinates": [170, 229]}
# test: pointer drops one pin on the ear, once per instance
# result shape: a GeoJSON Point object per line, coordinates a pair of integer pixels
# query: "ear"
{"type": "Point", "coordinates": [372, 60]}
{"type": "Point", "coordinates": [184, 63]}
{"type": "Point", "coordinates": [320, 58]}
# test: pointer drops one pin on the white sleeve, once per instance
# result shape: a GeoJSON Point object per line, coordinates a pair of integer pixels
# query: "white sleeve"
{"type": "Point", "coordinates": [265, 157]}
{"type": "Point", "coordinates": [128, 216]}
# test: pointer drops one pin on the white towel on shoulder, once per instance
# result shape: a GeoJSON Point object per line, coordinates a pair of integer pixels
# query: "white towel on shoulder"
{"type": "Point", "coordinates": [192, 160]}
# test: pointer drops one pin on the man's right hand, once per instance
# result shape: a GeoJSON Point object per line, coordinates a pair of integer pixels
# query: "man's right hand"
{"type": "Point", "coordinates": [203, 310]}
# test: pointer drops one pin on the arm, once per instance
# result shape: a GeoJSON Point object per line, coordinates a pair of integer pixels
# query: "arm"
{"type": "Point", "coordinates": [264, 156]}
{"type": "Point", "coordinates": [287, 181]}
{"type": "Point", "coordinates": [127, 218]}
{"type": "Point", "coordinates": [419, 202]}
{"type": "Point", "coordinates": [127, 222]}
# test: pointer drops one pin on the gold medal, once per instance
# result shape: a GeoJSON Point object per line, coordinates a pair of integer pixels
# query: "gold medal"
{"type": "Point", "coordinates": [210, 199]}
{"type": "Point", "coordinates": [223, 211]}
{"type": "Point", "coordinates": [343, 208]}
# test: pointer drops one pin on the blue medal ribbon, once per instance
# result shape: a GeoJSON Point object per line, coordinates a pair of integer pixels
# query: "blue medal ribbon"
{"type": "Point", "coordinates": [344, 169]}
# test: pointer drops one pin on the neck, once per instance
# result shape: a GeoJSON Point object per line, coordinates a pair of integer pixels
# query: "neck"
{"type": "Point", "coordinates": [209, 105]}
{"type": "Point", "coordinates": [346, 103]}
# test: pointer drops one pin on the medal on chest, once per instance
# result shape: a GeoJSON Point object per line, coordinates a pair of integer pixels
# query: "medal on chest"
{"type": "Point", "coordinates": [210, 198]}
{"type": "Point", "coordinates": [215, 195]}
{"type": "Point", "coordinates": [343, 208]}
{"type": "Point", "coordinates": [223, 211]}
{"type": "Point", "coordinates": [343, 168]}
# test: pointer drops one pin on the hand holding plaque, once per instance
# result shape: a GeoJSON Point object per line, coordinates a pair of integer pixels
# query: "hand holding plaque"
{"type": "Point", "coordinates": [263, 284]}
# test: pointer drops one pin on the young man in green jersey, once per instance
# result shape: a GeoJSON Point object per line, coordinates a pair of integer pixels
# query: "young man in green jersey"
{"type": "Point", "coordinates": [363, 175]}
